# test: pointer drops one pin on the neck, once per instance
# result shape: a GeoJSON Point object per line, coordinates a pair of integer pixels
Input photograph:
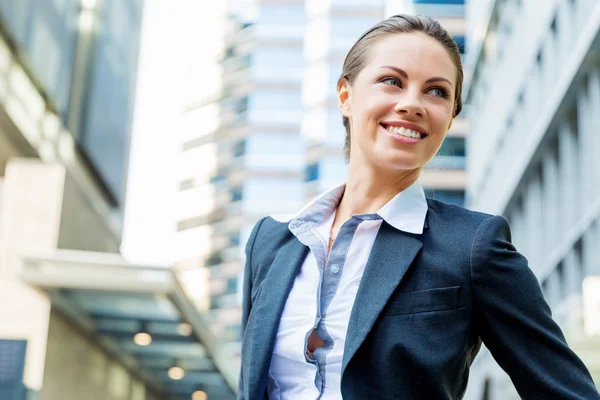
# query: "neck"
{"type": "Point", "coordinates": [368, 189]}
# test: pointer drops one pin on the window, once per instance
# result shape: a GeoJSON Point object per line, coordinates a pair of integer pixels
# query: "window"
{"type": "Point", "coordinates": [234, 239]}
{"type": "Point", "coordinates": [447, 196]}
{"type": "Point", "coordinates": [11, 369]}
{"type": "Point", "coordinates": [280, 151]}
{"type": "Point", "coordinates": [282, 107]}
{"type": "Point", "coordinates": [187, 184]}
{"type": "Point", "coordinates": [451, 155]}
{"type": "Point", "coordinates": [275, 99]}
{"type": "Point", "coordinates": [439, 1]}
{"type": "Point", "coordinates": [281, 14]}
{"type": "Point", "coordinates": [312, 173]}
{"type": "Point", "coordinates": [333, 169]}
{"type": "Point", "coordinates": [460, 42]}
{"type": "Point", "coordinates": [276, 57]}
{"type": "Point", "coordinates": [273, 194]}
{"type": "Point", "coordinates": [213, 259]}
{"type": "Point", "coordinates": [453, 146]}
{"type": "Point", "coordinates": [345, 29]}
{"type": "Point", "coordinates": [236, 194]}
{"type": "Point", "coordinates": [232, 285]}
{"type": "Point", "coordinates": [239, 149]}
{"type": "Point", "coordinates": [217, 178]}
{"type": "Point", "coordinates": [241, 105]}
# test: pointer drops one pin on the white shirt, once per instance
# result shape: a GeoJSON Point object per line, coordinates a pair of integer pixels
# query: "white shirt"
{"type": "Point", "coordinates": [323, 295]}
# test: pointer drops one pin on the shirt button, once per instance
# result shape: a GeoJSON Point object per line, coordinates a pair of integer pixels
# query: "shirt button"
{"type": "Point", "coordinates": [335, 269]}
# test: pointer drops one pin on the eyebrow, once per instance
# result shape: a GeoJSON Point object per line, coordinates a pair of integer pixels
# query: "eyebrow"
{"type": "Point", "coordinates": [405, 75]}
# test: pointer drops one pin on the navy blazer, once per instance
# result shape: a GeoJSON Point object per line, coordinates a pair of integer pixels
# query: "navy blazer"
{"type": "Point", "coordinates": [424, 305]}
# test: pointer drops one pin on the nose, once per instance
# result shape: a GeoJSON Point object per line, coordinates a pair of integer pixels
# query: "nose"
{"type": "Point", "coordinates": [410, 105]}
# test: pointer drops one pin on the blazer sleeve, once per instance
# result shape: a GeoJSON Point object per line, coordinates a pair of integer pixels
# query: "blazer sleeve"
{"type": "Point", "coordinates": [515, 322]}
{"type": "Point", "coordinates": [247, 292]}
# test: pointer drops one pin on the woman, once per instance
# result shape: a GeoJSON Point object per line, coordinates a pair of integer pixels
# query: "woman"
{"type": "Point", "coordinates": [372, 291]}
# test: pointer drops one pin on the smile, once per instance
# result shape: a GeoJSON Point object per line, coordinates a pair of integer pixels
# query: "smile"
{"type": "Point", "coordinates": [401, 131]}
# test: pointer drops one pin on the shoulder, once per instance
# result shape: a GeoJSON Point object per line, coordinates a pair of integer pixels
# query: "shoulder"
{"type": "Point", "coordinates": [461, 223]}
{"type": "Point", "coordinates": [270, 229]}
{"type": "Point", "coordinates": [455, 216]}
{"type": "Point", "coordinates": [267, 237]}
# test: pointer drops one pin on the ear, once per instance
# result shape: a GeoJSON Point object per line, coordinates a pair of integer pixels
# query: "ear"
{"type": "Point", "coordinates": [344, 96]}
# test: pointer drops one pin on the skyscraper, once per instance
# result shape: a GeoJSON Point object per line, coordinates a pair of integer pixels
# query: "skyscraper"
{"type": "Point", "coordinates": [248, 141]}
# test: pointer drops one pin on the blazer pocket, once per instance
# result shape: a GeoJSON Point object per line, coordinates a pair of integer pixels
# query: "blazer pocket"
{"type": "Point", "coordinates": [438, 299]}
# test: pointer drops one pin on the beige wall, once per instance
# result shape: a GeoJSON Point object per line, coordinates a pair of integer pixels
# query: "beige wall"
{"type": "Point", "coordinates": [77, 368]}
{"type": "Point", "coordinates": [29, 221]}
{"type": "Point", "coordinates": [41, 207]}
{"type": "Point", "coordinates": [85, 219]}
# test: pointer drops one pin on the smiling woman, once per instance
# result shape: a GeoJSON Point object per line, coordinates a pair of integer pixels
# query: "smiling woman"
{"type": "Point", "coordinates": [373, 291]}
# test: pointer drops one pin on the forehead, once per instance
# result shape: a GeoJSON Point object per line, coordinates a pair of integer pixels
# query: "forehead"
{"type": "Point", "coordinates": [415, 52]}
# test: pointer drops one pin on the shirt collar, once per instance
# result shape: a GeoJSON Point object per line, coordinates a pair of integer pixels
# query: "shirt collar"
{"type": "Point", "coordinates": [406, 211]}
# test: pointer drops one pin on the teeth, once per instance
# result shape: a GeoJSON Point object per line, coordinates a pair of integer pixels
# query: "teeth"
{"type": "Point", "coordinates": [404, 132]}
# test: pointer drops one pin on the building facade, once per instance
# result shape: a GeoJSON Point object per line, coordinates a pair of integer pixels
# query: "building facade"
{"type": "Point", "coordinates": [67, 84]}
{"type": "Point", "coordinates": [534, 95]}
{"type": "Point", "coordinates": [332, 27]}
{"type": "Point", "coordinates": [243, 155]}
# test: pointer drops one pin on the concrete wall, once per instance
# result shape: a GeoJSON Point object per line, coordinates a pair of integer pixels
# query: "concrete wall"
{"type": "Point", "coordinates": [29, 221]}
{"type": "Point", "coordinates": [534, 110]}
{"type": "Point", "coordinates": [77, 368]}
{"type": "Point", "coordinates": [42, 206]}
{"type": "Point", "coordinates": [85, 222]}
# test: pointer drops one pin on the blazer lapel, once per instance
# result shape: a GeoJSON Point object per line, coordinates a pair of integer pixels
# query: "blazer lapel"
{"type": "Point", "coordinates": [393, 252]}
{"type": "Point", "coordinates": [267, 311]}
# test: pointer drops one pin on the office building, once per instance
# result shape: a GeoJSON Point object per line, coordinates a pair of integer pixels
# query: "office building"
{"type": "Point", "coordinates": [534, 95]}
{"type": "Point", "coordinates": [244, 158]}
{"type": "Point", "coordinates": [78, 321]}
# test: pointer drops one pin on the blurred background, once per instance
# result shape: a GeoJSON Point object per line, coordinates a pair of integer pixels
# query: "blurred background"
{"type": "Point", "coordinates": [140, 140]}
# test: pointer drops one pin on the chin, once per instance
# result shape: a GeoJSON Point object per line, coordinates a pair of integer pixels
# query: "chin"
{"type": "Point", "coordinates": [400, 164]}
{"type": "Point", "coordinates": [402, 161]}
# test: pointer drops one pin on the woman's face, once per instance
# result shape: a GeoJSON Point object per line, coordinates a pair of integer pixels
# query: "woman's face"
{"type": "Point", "coordinates": [400, 104]}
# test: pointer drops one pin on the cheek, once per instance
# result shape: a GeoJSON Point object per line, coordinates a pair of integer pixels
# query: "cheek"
{"type": "Point", "coordinates": [373, 106]}
{"type": "Point", "coordinates": [441, 118]}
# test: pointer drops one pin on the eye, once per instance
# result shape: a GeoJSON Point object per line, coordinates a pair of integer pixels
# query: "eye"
{"type": "Point", "coordinates": [390, 80]}
{"type": "Point", "coordinates": [439, 92]}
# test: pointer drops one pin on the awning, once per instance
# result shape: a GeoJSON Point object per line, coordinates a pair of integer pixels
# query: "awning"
{"type": "Point", "coordinates": [114, 301]}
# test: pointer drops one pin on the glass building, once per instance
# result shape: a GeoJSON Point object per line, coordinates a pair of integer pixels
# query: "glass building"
{"type": "Point", "coordinates": [77, 320]}
{"type": "Point", "coordinates": [243, 155]}
{"type": "Point", "coordinates": [534, 109]}
{"type": "Point", "coordinates": [83, 58]}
